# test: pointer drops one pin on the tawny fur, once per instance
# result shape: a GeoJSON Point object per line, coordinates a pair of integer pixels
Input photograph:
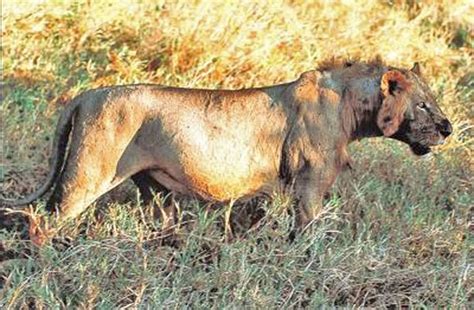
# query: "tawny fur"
{"type": "Point", "coordinates": [225, 145]}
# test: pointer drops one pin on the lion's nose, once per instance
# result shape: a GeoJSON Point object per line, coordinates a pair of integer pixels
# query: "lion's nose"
{"type": "Point", "coordinates": [445, 128]}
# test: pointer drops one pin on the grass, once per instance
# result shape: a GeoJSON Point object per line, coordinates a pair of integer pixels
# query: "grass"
{"type": "Point", "coordinates": [397, 230]}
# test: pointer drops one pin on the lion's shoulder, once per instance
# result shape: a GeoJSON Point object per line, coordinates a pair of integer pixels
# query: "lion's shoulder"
{"type": "Point", "coordinates": [306, 88]}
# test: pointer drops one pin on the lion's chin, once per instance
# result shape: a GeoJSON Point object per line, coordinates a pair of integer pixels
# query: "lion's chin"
{"type": "Point", "coordinates": [419, 149]}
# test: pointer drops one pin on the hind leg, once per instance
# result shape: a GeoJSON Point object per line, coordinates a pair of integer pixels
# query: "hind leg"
{"type": "Point", "coordinates": [97, 163]}
{"type": "Point", "coordinates": [78, 187]}
{"type": "Point", "coordinates": [76, 191]}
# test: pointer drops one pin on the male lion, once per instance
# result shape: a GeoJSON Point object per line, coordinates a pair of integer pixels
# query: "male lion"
{"type": "Point", "coordinates": [225, 145]}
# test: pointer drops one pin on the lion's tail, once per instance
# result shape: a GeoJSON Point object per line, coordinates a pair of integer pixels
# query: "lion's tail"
{"type": "Point", "coordinates": [60, 142]}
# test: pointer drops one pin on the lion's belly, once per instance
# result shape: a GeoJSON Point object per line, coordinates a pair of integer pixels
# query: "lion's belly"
{"type": "Point", "coordinates": [229, 176]}
{"type": "Point", "coordinates": [224, 175]}
{"type": "Point", "coordinates": [222, 168]}
{"type": "Point", "coordinates": [218, 163]}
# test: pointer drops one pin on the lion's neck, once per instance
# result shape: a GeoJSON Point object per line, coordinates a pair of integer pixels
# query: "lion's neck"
{"type": "Point", "coordinates": [361, 99]}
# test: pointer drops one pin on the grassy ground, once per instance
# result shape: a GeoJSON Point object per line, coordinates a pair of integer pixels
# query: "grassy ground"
{"type": "Point", "coordinates": [397, 229]}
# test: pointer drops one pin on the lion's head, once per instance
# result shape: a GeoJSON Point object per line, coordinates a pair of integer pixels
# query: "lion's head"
{"type": "Point", "coordinates": [409, 111]}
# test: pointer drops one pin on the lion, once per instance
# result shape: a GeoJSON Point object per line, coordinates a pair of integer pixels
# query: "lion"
{"type": "Point", "coordinates": [231, 145]}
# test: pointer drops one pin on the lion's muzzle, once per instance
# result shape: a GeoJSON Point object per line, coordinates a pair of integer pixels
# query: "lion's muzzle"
{"type": "Point", "coordinates": [445, 128]}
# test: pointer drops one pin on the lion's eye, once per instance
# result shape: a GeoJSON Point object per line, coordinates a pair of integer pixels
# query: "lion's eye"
{"type": "Point", "coordinates": [423, 106]}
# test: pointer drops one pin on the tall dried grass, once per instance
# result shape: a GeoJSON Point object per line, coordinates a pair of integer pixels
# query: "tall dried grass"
{"type": "Point", "coordinates": [395, 234]}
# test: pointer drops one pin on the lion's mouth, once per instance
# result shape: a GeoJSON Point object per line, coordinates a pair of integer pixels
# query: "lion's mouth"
{"type": "Point", "coordinates": [419, 149]}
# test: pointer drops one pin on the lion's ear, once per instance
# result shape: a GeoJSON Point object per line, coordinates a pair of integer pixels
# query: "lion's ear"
{"type": "Point", "coordinates": [416, 69]}
{"type": "Point", "coordinates": [393, 81]}
{"type": "Point", "coordinates": [394, 87]}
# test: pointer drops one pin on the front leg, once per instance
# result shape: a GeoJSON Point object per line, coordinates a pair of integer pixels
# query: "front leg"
{"type": "Point", "coordinates": [310, 185]}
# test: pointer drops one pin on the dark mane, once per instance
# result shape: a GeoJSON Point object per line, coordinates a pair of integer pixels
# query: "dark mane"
{"type": "Point", "coordinates": [335, 63]}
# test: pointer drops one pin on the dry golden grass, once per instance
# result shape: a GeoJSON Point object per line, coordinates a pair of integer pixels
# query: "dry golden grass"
{"type": "Point", "coordinates": [392, 236]}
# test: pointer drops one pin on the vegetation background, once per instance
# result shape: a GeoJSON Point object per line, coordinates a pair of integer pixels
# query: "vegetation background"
{"type": "Point", "coordinates": [397, 229]}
